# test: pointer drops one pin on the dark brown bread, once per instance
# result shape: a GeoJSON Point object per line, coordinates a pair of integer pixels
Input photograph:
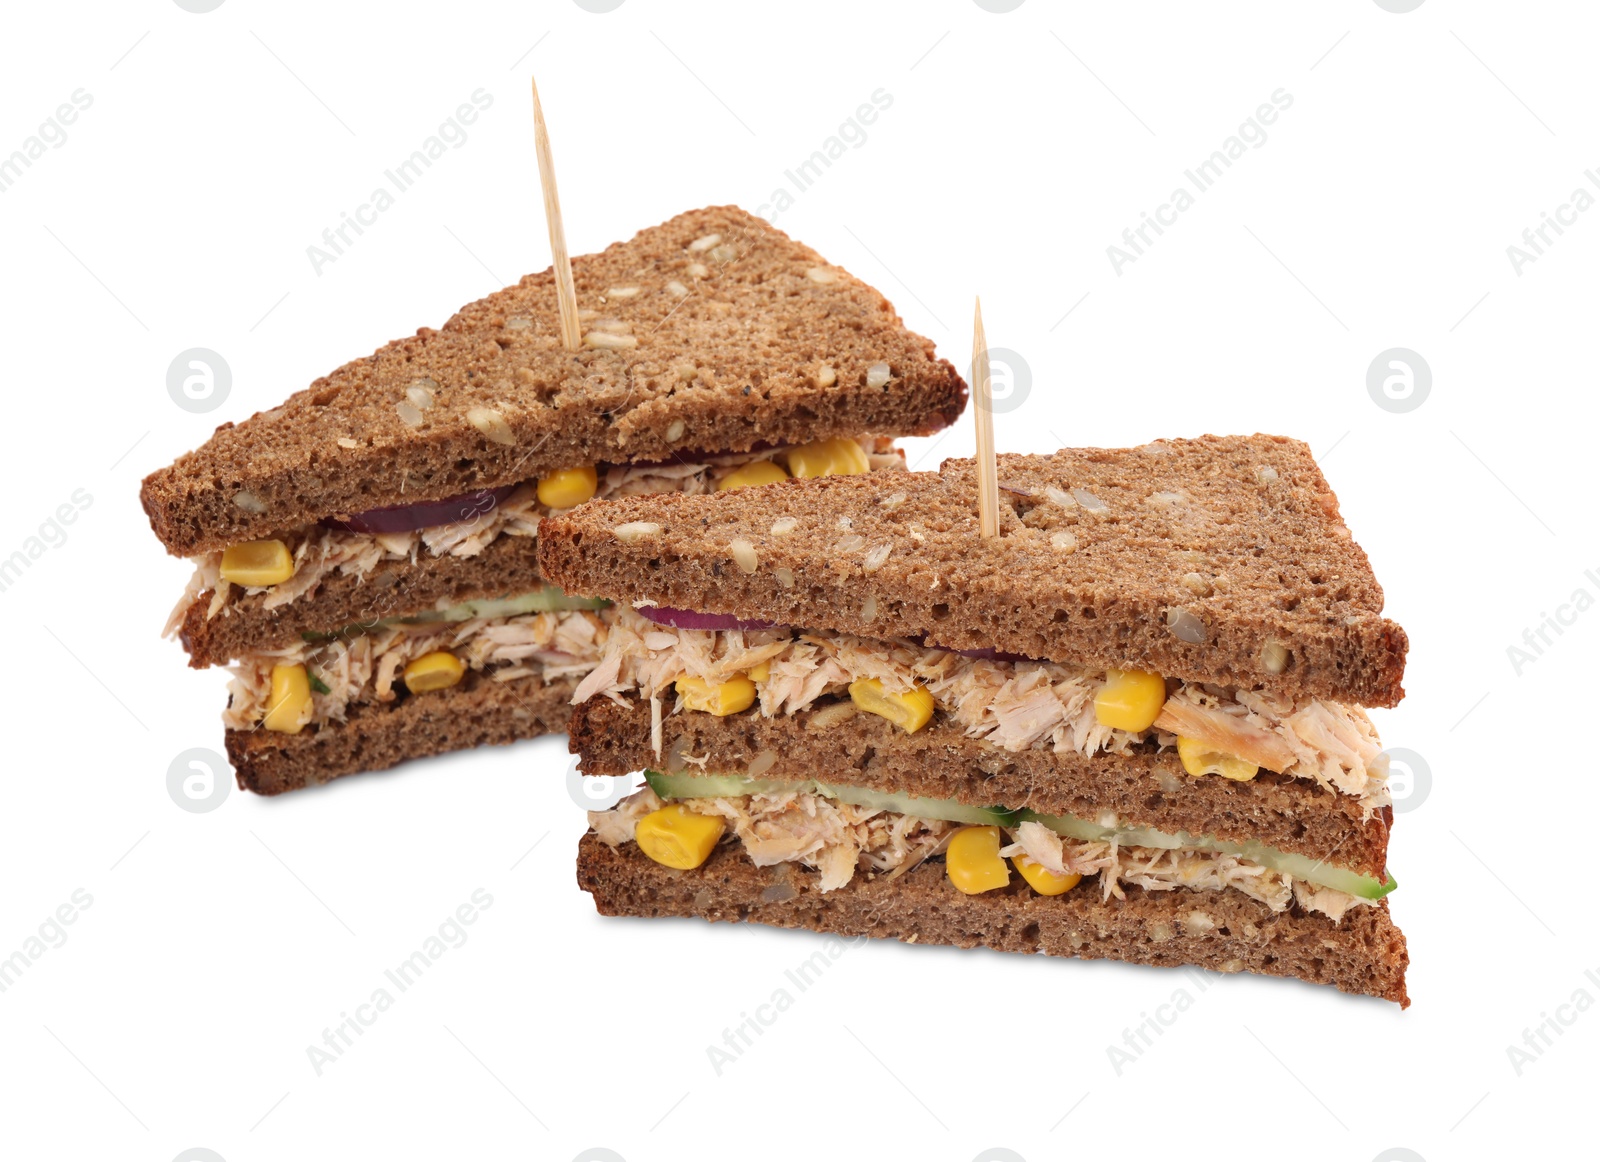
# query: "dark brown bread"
{"type": "Point", "coordinates": [1225, 931]}
{"type": "Point", "coordinates": [478, 712]}
{"type": "Point", "coordinates": [506, 567]}
{"type": "Point", "coordinates": [751, 336]}
{"type": "Point", "coordinates": [941, 762]}
{"type": "Point", "coordinates": [1239, 537]}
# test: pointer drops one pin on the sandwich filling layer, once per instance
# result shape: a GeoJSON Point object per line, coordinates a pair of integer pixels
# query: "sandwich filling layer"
{"type": "Point", "coordinates": [541, 636]}
{"type": "Point", "coordinates": [842, 832]}
{"type": "Point", "coordinates": [1015, 704]}
{"type": "Point", "coordinates": [320, 551]}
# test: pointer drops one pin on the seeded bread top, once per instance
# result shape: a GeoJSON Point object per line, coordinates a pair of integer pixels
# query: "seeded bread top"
{"type": "Point", "coordinates": [1221, 559]}
{"type": "Point", "coordinates": [713, 332]}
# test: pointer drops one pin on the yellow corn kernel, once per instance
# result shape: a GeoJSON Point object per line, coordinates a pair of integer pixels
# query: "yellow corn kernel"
{"type": "Point", "coordinates": [289, 701]}
{"type": "Point", "coordinates": [719, 698]}
{"type": "Point", "coordinates": [257, 563]}
{"type": "Point", "coordinates": [1200, 759]}
{"type": "Point", "coordinates": [827, 458]}
{"type": "Point", "coordinates": [760, 673]}
{"type": "Point", "coordinates": [973, 863]}
{"type": "Point", "coordinates": [909, 711]}
{"type": "Point", "coordinates": [436, 671]}
{"type": "Point", "coordinates": [1130, 700]}
{"type": "Point", "coordinates": [758, 472]}
{"type": "Point", "coordinates": [567, 488]}
{"type": "Point", "coordinates": [676, 837]}
{"type": "Point", "coordinates": [1042, 879]}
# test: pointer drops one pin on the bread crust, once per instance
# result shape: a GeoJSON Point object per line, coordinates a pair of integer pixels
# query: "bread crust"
{"type": "Point", "coordinates": [507, 566]}
{"type": "Point", "coordinates": [941, 762]}
{"type": "Point", "coordinates": [376, 736]}
{"type": "Point", "coordinates": [1238, 538]}
{"type": "Point", "coordinates": [1226, 931]}
{"type": "Point", "coordinates": [733, 363]}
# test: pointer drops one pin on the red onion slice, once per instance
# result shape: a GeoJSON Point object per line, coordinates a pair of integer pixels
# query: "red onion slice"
{"type": "Point", "coordinates": [409, 518]}
{"type": "Point", "coordinates": [688, 619]}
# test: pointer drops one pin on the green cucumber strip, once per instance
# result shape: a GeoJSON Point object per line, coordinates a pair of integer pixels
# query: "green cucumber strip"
{"type": "Point", "coordinates": [550, 599]}
{"type": "Point", "coordinates": [1301, 867]}
{"type": "Point", "coordinates": [687, 786]}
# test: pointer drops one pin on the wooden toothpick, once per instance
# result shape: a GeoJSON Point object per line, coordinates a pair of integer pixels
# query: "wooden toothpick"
{"type": "Point", "coordinates": [983, 420]}
{"type": "Point", "coordinates": [566, 293]}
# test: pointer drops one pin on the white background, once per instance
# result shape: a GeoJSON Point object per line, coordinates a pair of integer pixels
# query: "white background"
{"type": "Point", "coordinates": [1018, 147]}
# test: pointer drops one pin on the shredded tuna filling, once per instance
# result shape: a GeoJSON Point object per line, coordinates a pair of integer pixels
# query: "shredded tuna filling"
{"type": "Point", "coordinates": [840, 839]}
{"type": "Point", "coordinates": [367, 667]}
{"type": "Point", "coordinates": [322, 552]}
{"type": "Point", "coordinates": [1015, 705]}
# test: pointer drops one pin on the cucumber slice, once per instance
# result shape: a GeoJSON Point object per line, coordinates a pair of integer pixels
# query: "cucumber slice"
{"type": "Point", "coordinates": [550, 599]}
{"type": "Point", "coordinates": [946, 809]}
{"type": "Point", "coordinates": [1301, 867]}
{"type": "Point", "coordinates": [687, 786]}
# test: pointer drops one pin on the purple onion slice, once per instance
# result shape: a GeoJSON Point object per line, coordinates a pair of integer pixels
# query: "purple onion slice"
{"type": "Point", "coordinates": [689, 619]}
{"type": "Point", "coordinates": [409, 518]}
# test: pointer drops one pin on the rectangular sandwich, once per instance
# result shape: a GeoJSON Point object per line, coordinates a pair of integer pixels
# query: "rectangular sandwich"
{"type": "Point", "coordinates": [365, 553]}
{"type": "Point", "coordinates": [1129, 726]}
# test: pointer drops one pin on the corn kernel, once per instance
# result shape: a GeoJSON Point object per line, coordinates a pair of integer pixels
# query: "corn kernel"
{"type": "Point", "coordinates": [257, 563]}
{"type": "Point", "coordinates": [827, 458]}
{"type": "Point", "coordinates": [760, 673]}
{"type": "Point", "coordinates": [436, 671]}
{"type": "Point", "coordinates": [759, 472]}
{"type": "Point", "coordinates": [973, 863]}
{"type": "Point", "coordinates": [289, 701]}
{"type": "Point", "coordinates": [910, 711]}
{"type": "Point", "coordinates": [568, 488]}
{"type": "Point", "coordinates": [1042, 879]}
{"type": "Point", "coordinates": [1130, 700]}
{"type": "Point", "coordinates": [719, 698]}
{"type": "Point", "coordinates": [1200, 759]}
{"type": "Point", "coordinates": [676, 837]}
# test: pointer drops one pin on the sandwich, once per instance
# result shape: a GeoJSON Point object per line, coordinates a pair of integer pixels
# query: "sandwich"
{"type": "Point", "coordinates": [1131, 725]}
{"type": "Point", "coordinates": [365, 554]}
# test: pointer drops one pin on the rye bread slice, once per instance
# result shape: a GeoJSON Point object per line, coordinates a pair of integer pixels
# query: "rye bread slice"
{"type": "Point", "coordinates": [376, 736]}
{"type": "Point", "coordinates": [1237, 537]}
{"type": "Point", "coordinates": [1223, 931]}
{"type": "Point", "coordinates": [508, 566]}
{"type": "Point", "coordinates": [941, 762]}
{"type": "Point", "coordinates": [733, 363]}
